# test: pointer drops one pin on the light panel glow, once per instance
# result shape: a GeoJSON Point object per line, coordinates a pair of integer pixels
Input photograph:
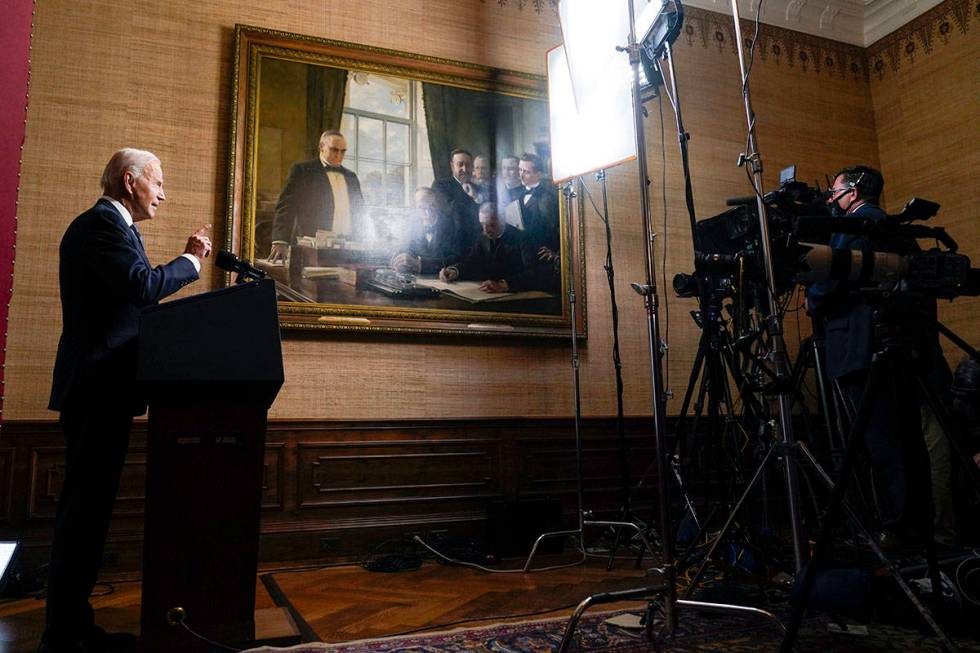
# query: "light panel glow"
{"type": "Point", "coordinates": [591, 31]}
{"type": "Point", "coordinates": [596, 133]}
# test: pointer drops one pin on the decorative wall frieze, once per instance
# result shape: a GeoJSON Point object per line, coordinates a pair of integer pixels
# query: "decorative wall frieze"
{"type": "Point", "coordinates": [711, 28]}
{"type": "Point", "coordinates": [537, 5]}
{"type": "Point", "coordinates": [777, 45]}
{"type": "Point", "coordinates": [935, 28]}
{"type": "Point", "coordinates": [921, 36]}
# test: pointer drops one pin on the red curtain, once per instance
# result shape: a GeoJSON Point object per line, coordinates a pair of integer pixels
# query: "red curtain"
{"type": "Point", "coordinates": [15, 68]}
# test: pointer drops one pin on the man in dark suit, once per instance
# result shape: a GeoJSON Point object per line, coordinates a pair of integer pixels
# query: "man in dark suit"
{"type": "Point", "coordinates": [459, 194]}
{"type": "Point", "coordinates": [500, 258]}
{"type": "Point", "coordinates": [319, 194]}
{"type": "Point", "coordinates": [105, 280]}
{"type": "Point", "coordinates": [430, 242]}
{"type": "Point", "coordinates": [538, 209]}
{"type": "Point", "coordinates": [894, 439]}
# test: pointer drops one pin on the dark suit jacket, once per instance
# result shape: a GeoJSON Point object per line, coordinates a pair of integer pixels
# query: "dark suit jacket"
{"type": "Point", "coordinates": [436, 253]}
{"type": "Point", "coordinates": [511, 259]}
{"type": "Point", "coordinates": [540, 217]}
{"type": "Point", "coordinates": [105, 280]}
{"type": "Point", "coordinates": [504, 196]}
{"type": "Point", "coordinates": [849, 320]}
{"type": "Point", "coordinates": [306, 203]}
{"type": "Point", "coordinates": [462, 209]}
{"type": "Point", "coordinates": [502, 258]}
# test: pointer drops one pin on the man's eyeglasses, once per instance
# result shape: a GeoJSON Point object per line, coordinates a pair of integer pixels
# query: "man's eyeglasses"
{"type": "Point", "coordinates": [833, 191]}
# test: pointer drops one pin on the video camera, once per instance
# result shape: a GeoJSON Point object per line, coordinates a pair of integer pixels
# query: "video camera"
{"type": "Point", "coordinates": [729, 252]}
{"type": "Point", "coordinates": [934, 273]}
{"type": "Point", "coordinates": [800, 228]}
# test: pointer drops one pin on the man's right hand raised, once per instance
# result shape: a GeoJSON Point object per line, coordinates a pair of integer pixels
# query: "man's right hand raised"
{"type": "Point", "coordinates": [199, 244]}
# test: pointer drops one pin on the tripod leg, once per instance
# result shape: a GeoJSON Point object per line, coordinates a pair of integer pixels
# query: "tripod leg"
{"type": "Point", "coordinates": [858, 426]}
{"type": "Point", "coordinates": [729, 522]}
{"type": "Point", "coordinates": [876, 376]}
{"type": "Point", "coordinates": [691, 383]}
{"type": "Point", "coordinates": [832, 442]}
{"type": "Point", "coordinates": [931, 561]}
{"type": "Point", "coordinates": [696, 373]}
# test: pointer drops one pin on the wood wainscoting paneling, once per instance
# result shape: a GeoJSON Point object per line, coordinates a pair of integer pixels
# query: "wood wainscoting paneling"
{"type": "Point", "coordinates": [334, 490]}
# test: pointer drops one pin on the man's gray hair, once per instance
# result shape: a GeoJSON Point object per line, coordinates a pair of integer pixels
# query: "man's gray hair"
{"type": "Point", "coordinates": [129, 160]}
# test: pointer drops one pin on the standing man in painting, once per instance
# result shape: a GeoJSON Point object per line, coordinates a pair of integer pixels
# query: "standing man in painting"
{"type": "Point", "coordinates": [319, 194]}
{"type": "Point", "coordinates": [105, 280]}
{"type": "Point", "coordinates": [509, 186]}
{"type": "Point", "coordinates": [459, 194]}
{"type": "Point", "coordinates": [483, 179]}
{"type": "Point", "coordinates": [538, 209]}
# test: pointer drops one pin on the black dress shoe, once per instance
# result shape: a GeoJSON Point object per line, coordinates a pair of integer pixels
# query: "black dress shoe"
{"type": "Point", "coordinates": [48, 646]}
{"type": "Point", "coordinates": [99, 641]}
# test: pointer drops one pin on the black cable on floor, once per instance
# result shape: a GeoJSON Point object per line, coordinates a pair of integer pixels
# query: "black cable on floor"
{"type": "Point", "coordinates": [494, 618]}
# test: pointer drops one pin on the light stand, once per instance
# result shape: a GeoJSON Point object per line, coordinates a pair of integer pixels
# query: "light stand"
{"type": "Point", "coordinates": [787, 447]}
{"type": "Point", "coordinates": [651, 304]}
{"type": "Point", "coordinates": [668, 590]}
{"type": "Point", "coordinates": [568, 193]}
{"type": "Point", "coordinates": [626, 510]}
{"type": "Point", "coordinates": [774, 326]}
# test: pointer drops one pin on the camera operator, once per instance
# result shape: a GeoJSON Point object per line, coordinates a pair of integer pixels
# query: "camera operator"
{"type": "Point", "coordinates": [894, 435]}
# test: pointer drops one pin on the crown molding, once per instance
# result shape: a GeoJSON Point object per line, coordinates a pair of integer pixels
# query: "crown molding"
{"type": "Point", "coordinates": [855, 22]}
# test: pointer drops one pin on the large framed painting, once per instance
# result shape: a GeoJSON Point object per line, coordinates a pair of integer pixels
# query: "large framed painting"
{"type": "Point", "coordinates": [387, 191]}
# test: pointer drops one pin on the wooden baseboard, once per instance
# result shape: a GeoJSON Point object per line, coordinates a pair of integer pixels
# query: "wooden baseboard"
{"type": "Point", "coordinates": [334, 490]}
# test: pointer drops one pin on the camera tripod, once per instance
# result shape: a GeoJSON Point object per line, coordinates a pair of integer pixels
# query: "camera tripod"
{"type": "Point", "coordinates": [714, 361]}
{"type": "Point", "coordinates": [891, 386]}
{"type": "Point", "coordinates": [809, 357]}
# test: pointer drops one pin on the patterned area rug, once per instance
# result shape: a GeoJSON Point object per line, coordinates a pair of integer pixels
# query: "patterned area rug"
{"type": "Point", "coordinates": [696, 632]}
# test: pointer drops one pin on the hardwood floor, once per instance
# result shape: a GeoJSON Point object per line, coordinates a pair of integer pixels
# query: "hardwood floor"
{"type": "Point", "coordinates": [346, 603]}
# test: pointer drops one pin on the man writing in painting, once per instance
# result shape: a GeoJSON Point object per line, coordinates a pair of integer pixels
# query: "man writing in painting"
{"type": "Point", "coordinates": [459, 195]}
{"type": "Point", "coordinates": [105, 278]}
{"type": "Point", "coordinates": [431, 241]}
{"type": "Point", "coordinates": [500, 258]}
{"type": "Point", "coordinates": [318, 195]}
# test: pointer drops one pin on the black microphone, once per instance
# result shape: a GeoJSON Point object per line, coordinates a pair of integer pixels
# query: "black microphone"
{"type": "Point", "coordinates": [245, 270]}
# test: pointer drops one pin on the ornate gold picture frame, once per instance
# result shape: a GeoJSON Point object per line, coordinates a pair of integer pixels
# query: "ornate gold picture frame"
{"type": "Point", "coordinates": [347, 186]}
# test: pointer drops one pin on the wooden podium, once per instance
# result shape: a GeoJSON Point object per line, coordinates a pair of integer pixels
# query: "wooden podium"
{"type": "Point", "coordinates": [212, 365]}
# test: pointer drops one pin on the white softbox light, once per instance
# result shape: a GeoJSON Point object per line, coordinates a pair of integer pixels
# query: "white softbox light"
{"type": "Point", "coordinates": [596, 133]}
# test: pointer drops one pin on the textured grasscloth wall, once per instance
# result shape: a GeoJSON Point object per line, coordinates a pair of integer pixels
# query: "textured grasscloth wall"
{"type": "Point", "coordinates": [158, 75]}
{"type": "Point", "coordinates": [925, 87]}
